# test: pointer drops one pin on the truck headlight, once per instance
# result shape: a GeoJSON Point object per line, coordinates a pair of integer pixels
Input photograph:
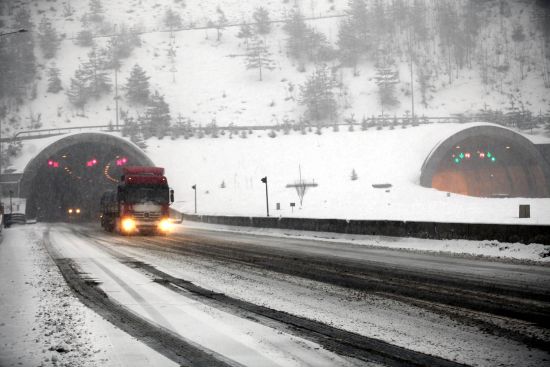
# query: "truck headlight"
{"type": "Point", "coordinates": [128, 224]}
{"type": "Point", "coordinates": [165, 225]}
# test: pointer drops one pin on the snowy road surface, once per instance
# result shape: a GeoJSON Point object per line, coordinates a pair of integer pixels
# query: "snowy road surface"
{"type": "Point", "coordinates": [41, 322]}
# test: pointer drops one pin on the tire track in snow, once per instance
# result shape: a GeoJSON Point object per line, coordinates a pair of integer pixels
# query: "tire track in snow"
{"type": "Point", "coordinates": [158, 338]}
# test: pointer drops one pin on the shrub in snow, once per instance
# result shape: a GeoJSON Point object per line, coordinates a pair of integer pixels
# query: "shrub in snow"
{"type": "Point", "coordinates": [353, 175]}
{"type": "Point", "coordinates": [272, 134]}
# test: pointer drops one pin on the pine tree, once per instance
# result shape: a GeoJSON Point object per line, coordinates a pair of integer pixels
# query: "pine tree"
{"type": "Point", "coordinates": [353, 175]}
{"type": "Point", "coordinates": [158, 116]}
{"type": "Point", "coordinates": [137, 86]}
{"type": "Point", "coordinates": [85, 38]}
{"type": "Point", "coordinates": [221, 22]}
{"type": "Point", "coordinates": [259, 57]}
{"type": "Point", "coordinates": [297, 29]}
{"type": "Point", "coordinates": [78, 92]}
{"type": "Point", "coordinates": [318, 96]}
{"type": "Point", "coordinates": [261, 17]}
{"type": "Point", "coordinates": [172, 20]}
{"type": "Point", "coordinates": [54, 83]}
{"type": "Point", "coordinates": [49, 40]}
{"type": "Point", "coordinates": [386, 78]}
{"type": "Point", "coordinates": [245, 32]}
{"type": "Point", "coordinates": [359, 20]}
{"type": "Point", "coordinates": [349, 44]}
{"type": "Point", "coordinates": [96, 10]}
{"type": "Point", "coordinates": [97, 77]}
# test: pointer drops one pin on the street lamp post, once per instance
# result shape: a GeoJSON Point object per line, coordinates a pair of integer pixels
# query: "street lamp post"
{"type": "Point", "coordinates": [264, 180]}
{"type": "Point", "coordinates": [194, 187]}
{"type": "Point", "coordinates": [11, 206]}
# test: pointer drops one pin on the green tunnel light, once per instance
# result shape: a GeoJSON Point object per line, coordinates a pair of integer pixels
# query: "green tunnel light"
{"type": "Point", "coordinates": [489, 155]}
{"type": "Point", "coordinates": [461, 155]}
{"type": "Point", "coordinates": [457, 160]}
{"type": "Point", "coordinates": [493, 159]}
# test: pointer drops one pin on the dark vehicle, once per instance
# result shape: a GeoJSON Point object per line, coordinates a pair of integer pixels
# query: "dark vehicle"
{"type": "Point", "coordinates": [140, 203]}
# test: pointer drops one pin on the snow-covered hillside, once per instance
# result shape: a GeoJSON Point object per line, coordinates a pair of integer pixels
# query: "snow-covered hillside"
{"type": "Point", "coordinates": [205, 79]}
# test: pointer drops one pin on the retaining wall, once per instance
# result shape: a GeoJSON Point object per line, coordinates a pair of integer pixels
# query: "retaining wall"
{"type": "Point", "coordinates": [433, 230]}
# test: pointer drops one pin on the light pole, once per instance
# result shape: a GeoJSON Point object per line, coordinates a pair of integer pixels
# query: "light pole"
{"type": "Point", "coordinates": [11, 206]}
{"type": "Point", "coordinates": [194, 187]}
{"type": "Point", "coordinates": [264, 180]}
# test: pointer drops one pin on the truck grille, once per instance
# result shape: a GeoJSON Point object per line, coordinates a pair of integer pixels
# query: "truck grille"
{"type": "Point", "coordinates": [147, 215]}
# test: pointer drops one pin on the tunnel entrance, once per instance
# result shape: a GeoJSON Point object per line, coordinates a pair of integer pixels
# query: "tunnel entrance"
{"type": "Point", "coordinates": [66, 180]}
{"type": "Point", "coordinates": [487, 161]}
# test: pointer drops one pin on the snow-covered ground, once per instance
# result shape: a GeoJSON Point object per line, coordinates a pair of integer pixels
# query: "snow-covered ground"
{"type": "Point", "coordinates": [40, 316]}
{"type": "Point", "coordinates": [43, 324]}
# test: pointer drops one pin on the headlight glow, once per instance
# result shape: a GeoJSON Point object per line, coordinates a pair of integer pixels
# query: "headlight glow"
{"type": "Point", "coordinates": [77, 210]}
{"type": "Point", "coordinates": [128, 225]}
{"type": "Point", "coordinates": [165, 225]}
{"type": "Point", "coordinates": [70, 211]}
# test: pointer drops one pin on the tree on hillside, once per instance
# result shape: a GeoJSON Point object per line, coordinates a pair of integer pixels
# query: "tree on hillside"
{"type": "Point", "coordinates": [359, 20]}
{"type": "Point", "coordinates": [318, 96]}
{"type": "Point", "coordinates": [418, 20]}
{"type": "Point", "coordinates": [97, 77]}
{"type": "Point", "coordinates": [261, 17]}
{"type": "Point", "coordinates": [96, 10]}
{"type": "Point", "coordinates": [78, 92]}
{"type": "Point", "coordinates": [349, 45]}
{"type": "Point", "coordinates": [54, 83]}
{"type": "Point", "coordinates": [386, 79]}
{"type": "Point", "coordinates": [258, 56]}
{"type": "Point", "coordinates": [121, 46]}
{"type": "Point", "coordinates": [17, 59]}
{"type": "Point", "coordinates": [172, 20]}
{"type": "Point", "coordinates": [245, 32]}
{"type": "Point", "coordinates": [85, 38]}
{"type": "Point", "coordinates": [297, 29]}
{"type": "Point", "coordinates": [137, 86]}
{"type": "Point", "coordinates": [49, 40]}
{"type": "Point", "coordinates": [221, 22]}
{"type": "Point", "coordinates": [157, 120]}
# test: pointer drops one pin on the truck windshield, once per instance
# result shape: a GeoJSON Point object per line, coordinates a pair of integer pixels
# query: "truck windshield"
{"type": "Point", "coordinates": [144, 194]}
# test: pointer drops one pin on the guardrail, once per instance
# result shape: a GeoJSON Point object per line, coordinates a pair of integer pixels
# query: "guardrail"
{"type": "Point", "coordinates": [367, 122]}
{"type": "Point", "coordinates": [523, 233]}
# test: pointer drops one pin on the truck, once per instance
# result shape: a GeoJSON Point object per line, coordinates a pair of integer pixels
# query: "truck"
{"type": "Point", "coordinates": [140, 204]}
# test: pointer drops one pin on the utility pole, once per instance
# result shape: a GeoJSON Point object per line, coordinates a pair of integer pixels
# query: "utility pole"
{"type": "Point", "coordinates": [116, 94]}
{"type": "Point", "coordinates": [264, 180]}
{"type": "Point", "coordinates": [194, 187]}
{"type": "Point", "coordinates": [412, 79]}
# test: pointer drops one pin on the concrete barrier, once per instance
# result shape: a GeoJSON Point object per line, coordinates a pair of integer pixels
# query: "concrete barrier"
{"type": "Point", "coordinates": [433, 230]}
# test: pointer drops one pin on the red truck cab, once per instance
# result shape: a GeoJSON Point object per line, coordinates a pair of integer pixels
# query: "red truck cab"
{"type": "Point", "coordinates": [140, 204]}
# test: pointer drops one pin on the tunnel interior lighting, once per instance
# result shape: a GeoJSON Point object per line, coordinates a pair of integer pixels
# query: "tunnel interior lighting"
{"type": "Point", "coordinates": [121, 161]}
{"type": "Point", "coordinates": [92, 162]}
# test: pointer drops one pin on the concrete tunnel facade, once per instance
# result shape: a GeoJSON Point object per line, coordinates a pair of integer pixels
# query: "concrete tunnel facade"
{"type": "Point", "coordinates": [71, 182]}
{"type": "Point", "coordinates": [487, 161]}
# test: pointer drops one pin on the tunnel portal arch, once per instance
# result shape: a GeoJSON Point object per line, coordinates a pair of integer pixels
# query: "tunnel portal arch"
{"type": "Point", "coordinates": [74, 180]}
{"type": "Point", "coordinates": [487, 161]}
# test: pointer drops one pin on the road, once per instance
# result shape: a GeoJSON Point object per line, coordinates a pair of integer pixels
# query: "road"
{"type": "Point", "coordinates": [266, 300]}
